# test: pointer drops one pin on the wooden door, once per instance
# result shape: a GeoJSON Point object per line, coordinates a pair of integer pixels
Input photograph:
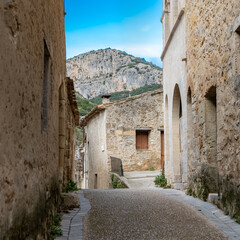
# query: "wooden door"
{"type": "Point", "coordinates": [162, 150]}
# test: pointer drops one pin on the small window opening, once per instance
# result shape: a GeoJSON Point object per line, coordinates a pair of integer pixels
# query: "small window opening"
{"type": "Point", "coordinates": [46, 88]}
{"type": "Point", "coordinates": [96, 181]}
{"type": "Point", "coordinates": [238, 30]}
{"type": "Point", "coordinates": [142, 139]}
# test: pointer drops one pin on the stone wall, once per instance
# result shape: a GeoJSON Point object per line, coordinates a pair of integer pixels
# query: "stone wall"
{"type": "Point", "coordinates": [213, 73]}
{"type": "Point", "coordinates": [71, 121]}
{"type": "Point", "coordinates": [29, 146]}
{"type": "Point", "coordinates": [122, 120]}
{"type": "Point", "coordinates": [79, 167]}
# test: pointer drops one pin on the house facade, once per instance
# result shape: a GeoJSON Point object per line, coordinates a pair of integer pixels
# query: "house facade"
{"type": "Point", "coordinates": [130, 130]}
{"type": "Point", "coordinates": [33, 116]}
{"type": "Point", "coordinates": [174, 75]}
{"type": "Point", "coordinates": [201, 98]}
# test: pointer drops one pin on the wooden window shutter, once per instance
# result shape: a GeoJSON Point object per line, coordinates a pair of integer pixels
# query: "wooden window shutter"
{"type": "Point", "coordinates": [142, 140]}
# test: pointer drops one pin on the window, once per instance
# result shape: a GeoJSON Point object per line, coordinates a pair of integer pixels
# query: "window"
{"type": "Point", "coordinates": [142, 139]}
{"type": "Point", "coordinates": [46, 88]}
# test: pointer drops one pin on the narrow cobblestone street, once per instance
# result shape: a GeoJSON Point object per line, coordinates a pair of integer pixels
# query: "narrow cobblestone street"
{"type": "Point", "coordinates": [145, 214]}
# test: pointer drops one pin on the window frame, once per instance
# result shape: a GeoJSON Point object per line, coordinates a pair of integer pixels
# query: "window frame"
{"type": "Point", "coordinates": [144, 133]}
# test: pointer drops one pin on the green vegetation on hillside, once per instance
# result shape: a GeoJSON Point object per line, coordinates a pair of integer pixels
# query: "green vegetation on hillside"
{"type": "Point", "coordinates": [135, 62]}
{"type": "Point", "coordinates": [125, 94]}
{"type": "Point", "coordinates": [84, 105]}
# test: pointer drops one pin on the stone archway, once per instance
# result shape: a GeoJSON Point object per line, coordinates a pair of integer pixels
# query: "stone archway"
{"type": "Point", "coordinates": [176, 136]}
{"type": "Point", "coordinates": [166, 124]}
{"type": "Point", "coordinates": [190, 130]}
{"type": "Point", "coordinates": [211, 126]}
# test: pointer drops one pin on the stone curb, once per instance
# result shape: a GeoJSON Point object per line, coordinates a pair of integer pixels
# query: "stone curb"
{"type": "Point", "coordinates": [72, 222]}
{"type": "Point", "coordinates": [214, 214]}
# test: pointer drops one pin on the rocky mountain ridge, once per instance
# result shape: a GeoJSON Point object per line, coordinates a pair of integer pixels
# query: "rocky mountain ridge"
{"type": "Point", "coordinates": [108, 70]}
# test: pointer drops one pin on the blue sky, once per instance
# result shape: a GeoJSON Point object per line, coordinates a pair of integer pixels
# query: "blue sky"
{"type": "Point", "coordinates": [130, 25]}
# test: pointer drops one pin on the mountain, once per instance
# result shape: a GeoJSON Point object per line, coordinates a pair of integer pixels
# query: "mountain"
{"type": "Point", "coordinates": [108, 71]}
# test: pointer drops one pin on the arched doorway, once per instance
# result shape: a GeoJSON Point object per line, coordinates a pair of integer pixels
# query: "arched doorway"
{"type": "Point", "coordinates": [166, 136]}
{"type": "Point", "coordinates": [176, 134]}
{"type": "Point", "coordinates": [211, 126]}
{"type": "Point", "coordinates": [190, 129]}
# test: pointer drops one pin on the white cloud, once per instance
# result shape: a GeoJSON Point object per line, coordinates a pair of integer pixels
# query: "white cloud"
{"type": "Point", "coordinates": [143, 50]}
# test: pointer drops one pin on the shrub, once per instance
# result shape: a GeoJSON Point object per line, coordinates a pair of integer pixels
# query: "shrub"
{"type": "Point", "coordinates": [191, 192]}
{"type": "Point", "coordinates": [70, 186]}
{"type": "Point", "coordinates": [160, 181]}
{"type": "Point", "coordinates": [116, 183]}
{"type": "Point", "coordinates": [55, 230]}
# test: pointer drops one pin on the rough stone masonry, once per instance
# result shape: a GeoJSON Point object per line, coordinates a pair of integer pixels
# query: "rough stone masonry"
{"type": "Point", "coordinates": [34, 102]}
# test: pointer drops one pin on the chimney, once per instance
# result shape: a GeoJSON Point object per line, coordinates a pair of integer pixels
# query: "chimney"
{"type": "Point", "coordinates": [106, 98]}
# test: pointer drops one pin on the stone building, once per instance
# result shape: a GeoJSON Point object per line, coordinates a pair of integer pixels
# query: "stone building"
{"type": "Point", "coordinates": [130, 129]}
{"type": "Point", "coordinates": [174, 77]}
{"type": "Point", "coordinates": [69, 119]}
{"type": "Point", "coordinates": [35, 98]}
{"type": "Point", "coordinates": [201, 62]}
{"type": "Point", "coordinates": [79, 167]}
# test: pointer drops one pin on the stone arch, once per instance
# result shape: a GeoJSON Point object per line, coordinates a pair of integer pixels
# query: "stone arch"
{"type": "Point", "coordinates": [211, 175]}
{"type": "Point", "coordinates": [166, 124]}
{"type": "Point", "coordinates": [211, 125]}
{"type": "Point", "coordinates": [176, 134]}
{"type": "Point", "coordinates": [190, 134]}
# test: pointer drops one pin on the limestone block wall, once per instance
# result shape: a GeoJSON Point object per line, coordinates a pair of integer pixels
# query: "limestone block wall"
{"type": "Point", "coordinates": [69, 155]}
{"type": "Point", "coordinates": [122, 120]}
{"type": "Point", "coordinates": [96, 170]}
{"type": "Point", "coordinates": [28, 152]}
{"type": "Point", "coordinates": [175, 101]}
{"type": "Point", "coordinates": [213, 73]}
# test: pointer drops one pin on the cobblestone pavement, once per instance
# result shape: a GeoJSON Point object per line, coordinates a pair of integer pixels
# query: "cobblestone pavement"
{"type": "Point", "coordinates": [145, 214]}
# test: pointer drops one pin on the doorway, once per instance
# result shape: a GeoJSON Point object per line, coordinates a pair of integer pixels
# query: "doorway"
{"type": "Point", "coordinates": [176, 134]}
{"type": "Point", "coordinates": [162, 150]}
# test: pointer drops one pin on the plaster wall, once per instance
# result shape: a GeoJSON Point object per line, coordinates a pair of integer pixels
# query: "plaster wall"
{"type": "Point", "coordinates": [175, 74]}
{"type": "Point", "coordinates": [95, 152]}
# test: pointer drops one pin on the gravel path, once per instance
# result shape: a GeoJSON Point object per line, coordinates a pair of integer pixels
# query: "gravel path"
{"type": "Point", "coordinates": [141, 214]}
